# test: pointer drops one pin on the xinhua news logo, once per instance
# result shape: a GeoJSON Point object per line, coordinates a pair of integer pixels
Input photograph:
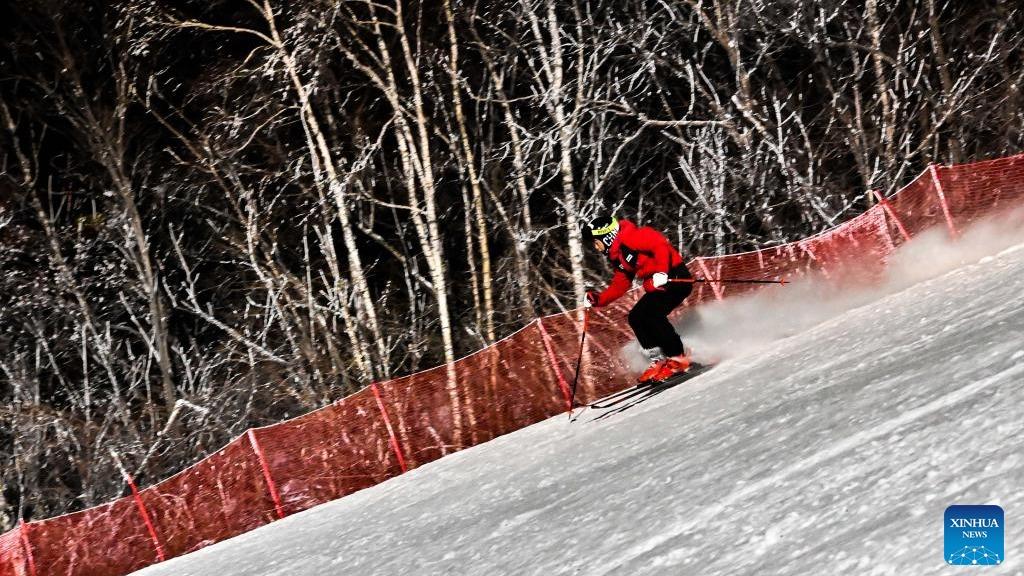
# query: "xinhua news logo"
{"type": "Point", "coordinates": [974, 535]}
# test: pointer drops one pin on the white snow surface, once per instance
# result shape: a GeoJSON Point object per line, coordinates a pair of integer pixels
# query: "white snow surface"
{"type": "Point", "coordinates": [834, 450]}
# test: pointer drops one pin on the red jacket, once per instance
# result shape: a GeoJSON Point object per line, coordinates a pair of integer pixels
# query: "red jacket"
{"type": "Point", "coordinates": [637, 253]}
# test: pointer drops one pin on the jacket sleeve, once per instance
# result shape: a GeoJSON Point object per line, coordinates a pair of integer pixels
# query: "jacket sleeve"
{"type": "Point", "coordinates": [654, 243]}
{"type": "Point", "coordinates": [621, 282]}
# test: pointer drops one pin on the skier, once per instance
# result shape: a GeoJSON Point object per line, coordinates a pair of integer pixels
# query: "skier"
{"type": "Point", "coordinates": [645, 254]}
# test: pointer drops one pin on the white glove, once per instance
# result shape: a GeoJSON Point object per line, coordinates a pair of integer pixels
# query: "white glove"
{"type": "Point", "coordinates": [659, 279]}
{"type": "Point", "coordinates": [587, 304]}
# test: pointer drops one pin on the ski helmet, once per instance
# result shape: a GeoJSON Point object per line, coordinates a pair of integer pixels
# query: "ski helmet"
{"type": "Point", "coordinates": [603, 228]}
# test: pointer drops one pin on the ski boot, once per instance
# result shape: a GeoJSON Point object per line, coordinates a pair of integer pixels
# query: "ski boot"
{"type": "Point", "coordinates": [672, 367]}
{"type": "Point", "coordinates": [652, 372]}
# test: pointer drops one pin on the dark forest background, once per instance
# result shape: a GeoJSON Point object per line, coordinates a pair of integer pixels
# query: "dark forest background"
{"type": "Point", "coordinates": [216, 214]}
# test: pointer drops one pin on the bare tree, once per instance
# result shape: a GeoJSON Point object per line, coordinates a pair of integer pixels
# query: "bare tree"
{"type": "Point", "coordinates": [215, 215]}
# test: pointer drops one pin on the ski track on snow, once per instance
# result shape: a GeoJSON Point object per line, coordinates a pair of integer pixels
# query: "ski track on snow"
{"type": "Point", "coordinates": [708, 513]}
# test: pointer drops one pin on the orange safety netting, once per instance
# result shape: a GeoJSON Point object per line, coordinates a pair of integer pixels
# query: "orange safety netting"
{"type": "Point", "coordinates": [390, 427]}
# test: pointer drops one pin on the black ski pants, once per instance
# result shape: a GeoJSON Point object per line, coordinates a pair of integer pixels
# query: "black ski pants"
{"type": "Point", "coordinates": [649, 316]}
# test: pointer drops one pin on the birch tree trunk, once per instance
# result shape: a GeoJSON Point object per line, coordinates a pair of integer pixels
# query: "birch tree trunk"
{"type": "Point", "coordinates": [887, 129]}
{"type": "Point", "coordinates": [106, 138]}
{"type": "Point", "coordinates": [942, 63]}
{"type": "Point", "coordinates": [415, 155]}
{"type": "Point", "coordinates": [323, 159]}
{"type": "Point", "coordinates": [521, 227]}
{"type": "Point", "coordinates": [474, 180]}
{"type": "Point", "coordinates": [553, 66]}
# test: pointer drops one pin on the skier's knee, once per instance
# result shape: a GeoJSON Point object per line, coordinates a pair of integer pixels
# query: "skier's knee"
{"type": "Point", "coordinates": [636, 317]}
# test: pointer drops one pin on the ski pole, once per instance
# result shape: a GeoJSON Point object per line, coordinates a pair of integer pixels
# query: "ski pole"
{"type": "Point", "coordinates": [727, 281]}
{"type": "Point", "coordinates": [576, 378]}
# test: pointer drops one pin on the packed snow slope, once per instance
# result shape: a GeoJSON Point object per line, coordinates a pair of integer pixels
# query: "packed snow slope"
{"type": "Point", "coordinates": [834, 450]}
